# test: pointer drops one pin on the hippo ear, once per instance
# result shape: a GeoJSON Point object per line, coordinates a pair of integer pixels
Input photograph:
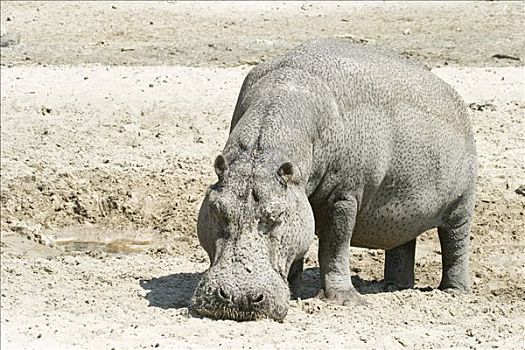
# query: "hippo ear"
{"type": "Point", "coordinates": [220, 166]}
{"type": "Point", "coordinates": [286, 172]}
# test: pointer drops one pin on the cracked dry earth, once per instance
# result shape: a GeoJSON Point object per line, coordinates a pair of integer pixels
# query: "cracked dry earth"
{"type": "Point", "coordinates": [106, 155]}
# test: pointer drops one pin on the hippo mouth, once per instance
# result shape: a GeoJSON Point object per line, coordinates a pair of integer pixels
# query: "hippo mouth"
{"type": "Point", "coordinates": [206, 303]}
{"type": "Point", "coordinates": [223, 312]}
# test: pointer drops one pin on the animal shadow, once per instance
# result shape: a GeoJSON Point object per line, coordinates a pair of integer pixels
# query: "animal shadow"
{"type": "Point", "coordinates": [171, 292]}
{"type": "Point", "coordinates": [175, 291]}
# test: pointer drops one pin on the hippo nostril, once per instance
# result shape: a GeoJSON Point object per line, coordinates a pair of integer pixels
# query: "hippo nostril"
{"type": "Point", "coordinates": [224, 294]}
{"type": "Point", "coordinates": [256, 299]}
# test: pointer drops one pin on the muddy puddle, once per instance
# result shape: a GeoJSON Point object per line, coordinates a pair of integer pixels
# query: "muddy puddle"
{"type": "Point", "coordinates": [115, 246]}
{"type": "Point", "coordinates": [101, 239]}
{"type": "Point", "coordinates": [95, 239]}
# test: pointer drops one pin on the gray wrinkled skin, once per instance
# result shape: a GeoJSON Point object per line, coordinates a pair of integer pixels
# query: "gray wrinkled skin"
{"type": "Point", "coordinates": [372, 148]}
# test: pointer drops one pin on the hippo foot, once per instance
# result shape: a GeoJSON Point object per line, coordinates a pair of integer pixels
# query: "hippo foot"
{"type": "Point", "coordinates": [342, 297]}
{"type": "Point", "coordinates": [393, 287]}
{"type": "Point", "coordinates": [458, 286]}
{"type": "Point", "coordinates": [455, 290]}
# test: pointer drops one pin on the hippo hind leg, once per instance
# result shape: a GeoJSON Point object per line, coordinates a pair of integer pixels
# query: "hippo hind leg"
{"type": "Point", "coordinates": [399, 266]}
{"type": "Point", "coordinates": [454, 237]}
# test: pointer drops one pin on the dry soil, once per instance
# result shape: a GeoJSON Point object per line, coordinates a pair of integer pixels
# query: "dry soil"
{"type": "Point", "coordinates": [111, 116]}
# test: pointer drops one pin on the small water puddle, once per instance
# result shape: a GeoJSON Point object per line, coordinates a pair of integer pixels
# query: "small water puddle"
{"type": "Point", "coordinates": [93, 238]}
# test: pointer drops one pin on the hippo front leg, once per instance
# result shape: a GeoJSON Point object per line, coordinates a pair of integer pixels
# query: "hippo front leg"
{"type": "Point", "coordinates": [334, 254]}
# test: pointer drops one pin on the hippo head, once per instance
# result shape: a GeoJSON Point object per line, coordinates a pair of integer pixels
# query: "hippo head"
{"type": "Point", "coordinates": [253, 223]}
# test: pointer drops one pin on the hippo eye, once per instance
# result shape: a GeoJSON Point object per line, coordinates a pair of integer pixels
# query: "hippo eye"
{"type": "Point", "coordinates": [276, 218]}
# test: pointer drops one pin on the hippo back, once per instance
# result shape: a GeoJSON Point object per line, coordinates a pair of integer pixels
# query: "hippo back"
{"type": "Point", "coordinates": [401, 136]}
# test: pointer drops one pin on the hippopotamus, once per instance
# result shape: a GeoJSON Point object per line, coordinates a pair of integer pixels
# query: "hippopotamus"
{"type": "Point", "coordinates": [352, 143]}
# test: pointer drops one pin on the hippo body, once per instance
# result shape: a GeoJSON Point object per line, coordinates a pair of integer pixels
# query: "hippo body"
{"type": "Point", "coordinates": [354, 143]}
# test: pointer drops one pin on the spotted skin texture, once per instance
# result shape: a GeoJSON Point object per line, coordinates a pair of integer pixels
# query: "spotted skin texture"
{"type": "Point", "coordinates": [350, 142]}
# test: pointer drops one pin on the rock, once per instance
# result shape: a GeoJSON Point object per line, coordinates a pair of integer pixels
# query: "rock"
{"type": "Point", "coordinates": [8, 38]}
{"type": "Point", "coordinates": [520, 190]}
{"type": "Point", "coordinates": [482, 106]}
{"type": "Point", "coordinates": [505, 56]}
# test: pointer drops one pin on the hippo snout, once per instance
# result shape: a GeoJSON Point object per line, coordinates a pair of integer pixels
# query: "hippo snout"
{"type": "Point", "coordinates": [249, 301]}
{"type": "Point", "coordinates": [241, 299]}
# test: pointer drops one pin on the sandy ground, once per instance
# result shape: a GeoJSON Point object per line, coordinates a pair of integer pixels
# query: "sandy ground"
{"type": "Point", "coordinates": [106, 155]}
{"type": "Point", "coordinates": [236, 33]}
